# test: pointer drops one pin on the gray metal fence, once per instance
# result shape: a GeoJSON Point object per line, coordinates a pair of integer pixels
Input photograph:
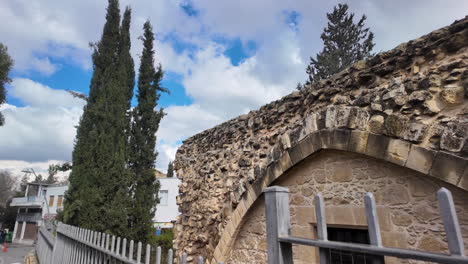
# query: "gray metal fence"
{"type": "Point", "coordinates": [280, 240]}
{"type": "Point", "coordinates": [74, 245]}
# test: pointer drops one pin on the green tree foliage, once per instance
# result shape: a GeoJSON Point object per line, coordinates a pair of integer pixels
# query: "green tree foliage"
{"type": "Point", "coordinates": [170, 170]}
{"type": "Point", "coordinates": [98, 195]}
{"type": "Point", "coordinates": [5, 66]}
{"type": "Point", "coordinates": [344, 43]}
{"type": "Point", "coordinates": [143, 141]}
{"type": "Point", "coordinates": [54, 169]}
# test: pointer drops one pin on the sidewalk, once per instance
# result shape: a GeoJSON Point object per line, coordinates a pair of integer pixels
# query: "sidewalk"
{"type": "Point", "coordinates": [15, 253]}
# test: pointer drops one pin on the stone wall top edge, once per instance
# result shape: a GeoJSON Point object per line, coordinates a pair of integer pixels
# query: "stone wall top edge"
{"type": "Point", "coordinates": [410, 49]}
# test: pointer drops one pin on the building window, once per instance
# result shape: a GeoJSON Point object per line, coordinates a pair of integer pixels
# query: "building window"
{"type": "Point", "coordinates": [163, 197]}
{"type": "Point", "coordinates": [360, 236]}
{"type": "Point", "coordinates": [59, 200]}
{"type": "Point", "coordinates": [51, 200]}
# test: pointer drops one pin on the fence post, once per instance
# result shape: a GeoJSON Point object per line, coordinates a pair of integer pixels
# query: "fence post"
{"type": "Point", "coordinates": [322, 232]}
{"type": "Point", "coordinates": [158, 255]}
{"type": "Point", "coordinates": [373, 224]}
{"type": "Point", "coordinates": [278, 224]}
{"type": "Point", "coordinates": [450, 219]}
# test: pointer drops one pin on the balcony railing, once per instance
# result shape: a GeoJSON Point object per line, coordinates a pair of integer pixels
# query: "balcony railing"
{"type": "Point", "coordinates": [29, 217]}
{"type": "Point", "coordinates": [33, 201]}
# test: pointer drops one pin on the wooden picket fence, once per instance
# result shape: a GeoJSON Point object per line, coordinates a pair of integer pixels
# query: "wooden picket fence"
{"type": "Point", "coordinates": [74, 245]}
{"type": "Point", "coordinates": [280, 240]}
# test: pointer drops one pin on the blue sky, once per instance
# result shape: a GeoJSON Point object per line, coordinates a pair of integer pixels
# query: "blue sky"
{"type": "Point", "coordinates": [221, 59]}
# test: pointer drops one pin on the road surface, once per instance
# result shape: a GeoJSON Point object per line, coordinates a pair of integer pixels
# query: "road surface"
{"type": "Point", "coordinates": [15, 254]}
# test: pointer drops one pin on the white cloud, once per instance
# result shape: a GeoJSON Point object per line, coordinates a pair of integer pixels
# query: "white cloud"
{"type": "Point", "coordinates": [183, 121]}
{"type": "Point", "coordinates": [17, 168]}
{"type": "Point", "coordinates": [42, 130]}
{"type": "Point", "coordinates": [40, 31]}
{"type": "Point", "coordinates": [37, 95]}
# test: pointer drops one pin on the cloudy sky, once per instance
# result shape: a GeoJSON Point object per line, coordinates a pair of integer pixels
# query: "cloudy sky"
{"type": "Point", "coordinates": [221, 59]}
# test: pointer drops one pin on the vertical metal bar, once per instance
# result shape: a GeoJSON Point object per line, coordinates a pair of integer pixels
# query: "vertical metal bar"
{"type": "Point", "coordinates": [93, 251]}
{"type": "Point", "coordinates": [139, 252]}
{"type": "Point", "coordinates": [113, 244]}
{"type": "Point", "coordinates": [184, 258]}
{"type": "Point", "coordinates": [57, 243]}
{"type": "Point", "coordinates": [103, 240]}
{"type": "Point", "coordinates": [124, 247]}
{"type": "Point", "coordinates": [373, 225]}
{"type": "Point", "coordinates": [148, 251]}
{"type": "Point", "coordinates": [321, 226]}
{"type": "Point", "coordinates": [200, 260]}
{"type": "Point", "coordinates": [158, 255]}
{"type": "Point", "coordinates": [130, 251]}
{"type": "Point", "coordinates": [79, 245]}
{"type": "Point", "coordinates": [107, 242]}
{"type": "Point", "coordinates": [103, 244]}
{"type": "Point", "coordinates": [278, 224]}
{"type": "Point", "coordinates": [372, 220]}
{"type": "Point", "coordinates": [117, 250]}
{"type": "Point", "coordinates": [450, 219]}
{"type": "Point", "coordinates": [85, 247]}
{"type": "Point", "coordinates": [170, 256]}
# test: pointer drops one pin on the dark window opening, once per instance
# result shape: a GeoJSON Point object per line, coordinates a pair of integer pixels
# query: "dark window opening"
{"type": "Point", "coordinates": [360, 236]}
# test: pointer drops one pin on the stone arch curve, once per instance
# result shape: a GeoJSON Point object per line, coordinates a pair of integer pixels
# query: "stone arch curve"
{"type": "Point", "coordinates": [436, 164]}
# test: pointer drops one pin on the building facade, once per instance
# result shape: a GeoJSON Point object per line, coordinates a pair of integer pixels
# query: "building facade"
{"type": "Point", "coordinates": [395, 125]}
{"type": "Point", "coordinates": [40, 203]}
{"type": "Point", "coordinates": [167, 209]}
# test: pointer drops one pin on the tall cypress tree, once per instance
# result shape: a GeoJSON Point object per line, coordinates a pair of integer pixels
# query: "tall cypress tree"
{"type": "Point", "coordinates": [344, 43]}
{"type": "Point", "coordinates": [98, 194]}
{"type": "Point", "coordinates": [170, 169]}
{"type": "Point", "coordinates": [143, 140]}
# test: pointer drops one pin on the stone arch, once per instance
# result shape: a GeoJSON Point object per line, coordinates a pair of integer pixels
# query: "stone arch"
{"type": "Point", "coordinates": [406, 106]}
{"type": "Point", "coordinates": [438, 165]}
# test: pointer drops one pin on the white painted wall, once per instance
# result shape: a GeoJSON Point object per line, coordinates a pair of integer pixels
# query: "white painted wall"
{"type": "Point", "coordinates": [54, 191]}
{"type": "Point", "coordinates": [169, 212]}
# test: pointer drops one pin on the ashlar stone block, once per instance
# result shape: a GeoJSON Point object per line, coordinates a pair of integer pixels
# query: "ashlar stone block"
{"type": "Point", "coordinates": [397, 151]}
{"type": "Point", "coordinates": [358, 141]}
{"type": "Point", "coordinates": [377, 146]}
{"type": "Point", "coordinates": [420, 159]}
{"type": "Point", "coordinates": [448, 167]}
{"type": "Point", "coordinates": [464, 179]}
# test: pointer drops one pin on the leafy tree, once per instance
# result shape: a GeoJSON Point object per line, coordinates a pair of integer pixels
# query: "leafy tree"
{"type": "Point", "coordinates": [5, 66]}
{"type": "Point", "coordinates": [143, 140]}
{"type": "Point", "coordinates": [170, 170]}
{"type": "Point", "coordinates": [344, 43]}
{"type": "Point", "coordinates": [52, 178]}
{"type": "Point", "coordinates": [99, 182]}
{"type": "Point", "coordinates": [54, 169]}
{"type": "Point", "coordinates": [7, 187]}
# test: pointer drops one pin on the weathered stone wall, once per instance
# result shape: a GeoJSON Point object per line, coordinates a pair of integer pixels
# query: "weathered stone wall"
{"type": "Point", "coordinates": [408, 106]}
{"type": "Point", "coordinates": [407, 206]}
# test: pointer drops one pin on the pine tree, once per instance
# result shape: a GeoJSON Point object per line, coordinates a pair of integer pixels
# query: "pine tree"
{"type": "Point", "coordinates": [344, 43]}
{"type": "Point", "coordinates": [170, 170]}
{"type": "Point", "coordinates": [5, 66]}
{"type": "Point", "coordinates": [98, 196]}
{"type": "Point", "coordinates": [143, 140]}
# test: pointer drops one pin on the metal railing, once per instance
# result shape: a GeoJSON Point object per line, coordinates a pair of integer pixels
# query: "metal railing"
{"type": "Point", "coordinates": [29, 217]}
{"type": "Point", "coordinates": [26, 201]}
{"type": "Point", "coordinates": [280, 241]}
{"type": "Point", "coordinates": [73, 245]}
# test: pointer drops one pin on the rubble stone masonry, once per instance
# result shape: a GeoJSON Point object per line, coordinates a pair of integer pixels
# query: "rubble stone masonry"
{"type": "Point", "coordinates": [405, 109]}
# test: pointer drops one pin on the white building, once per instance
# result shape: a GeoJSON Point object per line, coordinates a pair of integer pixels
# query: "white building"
{"type": "Point", "coordinates": [41, 201]}
{"type": "Point", "coordinates": [167, 209]}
